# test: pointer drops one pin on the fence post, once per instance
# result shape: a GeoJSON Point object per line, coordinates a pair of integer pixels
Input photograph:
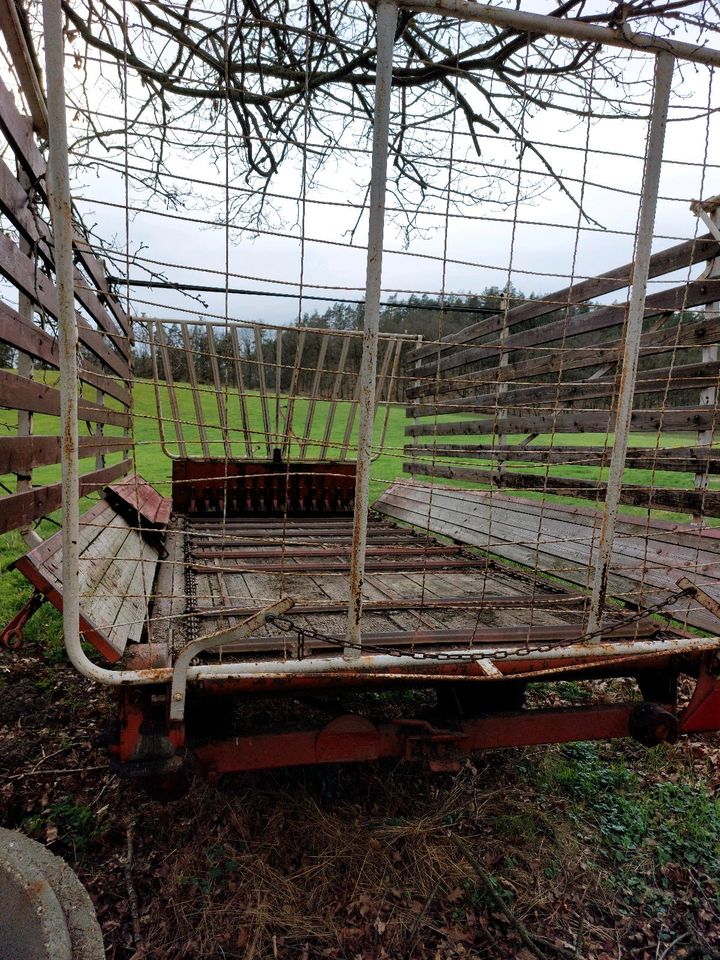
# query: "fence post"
{"type": "Point", "coordinates": [386, 13]}
{"type": "Point", "coordinates": [709, 212]}
{"type": "Point", "coordinates": [664, 64]}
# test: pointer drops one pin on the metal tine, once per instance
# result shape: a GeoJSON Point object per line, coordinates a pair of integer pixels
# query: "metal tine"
{"type": "Point", "coordinates": [219, 393]}
{"type": "Point", "coordinates": [240, 383]}
{"type": "Point", "coordinates": [292, 393]}
{"type": "Point", "coordinates": [278, 385]}
{"type": "Point", "coordinates": [333, 399]}
{"type": "Point", "coordinates": [195, 389]}
{"type": "Point", "coordinates": [388, 403]}
{"type": "Point", "coordinates": [350, 421]}
{"type": "Point", "coordinates": [263, 388]}
{"type": "Point", "coordinates": [312, 403]}
{"type": "Point", "coordinates": [169, 384]}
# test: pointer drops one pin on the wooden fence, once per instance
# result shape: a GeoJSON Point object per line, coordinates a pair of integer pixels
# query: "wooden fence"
{"type": "Point", "coordinates": [28, 317]}
{"type": "Point", "coordinates": [505, 401]}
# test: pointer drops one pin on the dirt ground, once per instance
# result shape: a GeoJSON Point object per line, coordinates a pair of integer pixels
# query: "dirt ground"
{"type": "Point", "coordinates": [587, 851]}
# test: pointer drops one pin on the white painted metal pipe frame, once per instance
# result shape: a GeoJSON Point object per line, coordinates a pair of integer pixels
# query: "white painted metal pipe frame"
{"type": "Point", "coordinates": [386, 13]}
{"type": "Point", "coordinates": [664, 65]}
{"type": "Point", "coordinates": [60, 207]}
{"type": "Point", "coordinates": [536, 24]}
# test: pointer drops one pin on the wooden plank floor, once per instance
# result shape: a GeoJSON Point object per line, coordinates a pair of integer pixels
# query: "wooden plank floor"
{"type": "Point", "coordinates": [420, 592]}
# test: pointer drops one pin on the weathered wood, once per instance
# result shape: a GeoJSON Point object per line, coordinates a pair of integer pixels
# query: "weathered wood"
{"type": "Point", "coordinates": [690, 335]}
{"type": "Point", "coordinates": [21, 393]}
{"type": "Point", "coordinates": [142, 498]}
{"type": "Point", "coordinates": [666, 261]}
{"type": "Point", "coordinates": [681, 459]}
{"type": "Point", "coordinates": [19, 134]}
{"type": "Point", "coordinates": [20, 509]}
{"type": "Point", "coordinates": [549, 540]}
{"type": "Point", "coordinates": [692, 294]}
{"type": "Point", "coordinates": [695, 376]}
{"type": "Point", "coordinates": [680, 419]}
{"type": "Point", "coordinates": [14, 204]}
{"type": "Point", "coordinates": [42, 291]}
{"type": "Point", "coordinates": [32, 340]}
{"type": "Point", "coordinates": [706, 502]}
{"type": "Point", "coordinates": [21, 454]}
{"type": "Point", "coordinates": [25, 63]}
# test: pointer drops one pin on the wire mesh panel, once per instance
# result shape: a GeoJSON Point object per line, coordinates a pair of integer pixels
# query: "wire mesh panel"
{"type": "Point", "coordinates": [245, 391]}
{"type": "Point", "coordinates": [387, 239]}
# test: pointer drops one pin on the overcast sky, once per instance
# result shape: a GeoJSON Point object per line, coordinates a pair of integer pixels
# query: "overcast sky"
{"type": "Point", "coordinates": [535, 244]}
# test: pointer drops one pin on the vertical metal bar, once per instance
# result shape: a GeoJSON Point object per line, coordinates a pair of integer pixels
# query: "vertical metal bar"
{"type": "Point", "coordinates": [156, 389]}
{"type": "Point", "coordinates": [353, 404]}
{"type": "Point", "coordinates": [219, 395]}
{"type": "Point", "coordinates": [24, 366]}
{"type": "Point", "coordinates": [392, 388]}
{"type": "Point", "coordinates": [58, 189]}
{"type": "Point", "coordinates": [287, 430]}
{"type": "Point", "coordinates": [169, 384]}
{"type": "Point", "coordinates": [241, 392]}
{"type": "Point", "coordinates": [315, 393]}
{"type": "Point", "coordinates": [708, 396]}
{"type": "Point", "coordinates": [260, 360]}
{"type": "Point", "coordinates": [195, 390]}
{"type": "Point", "coordinates": [278, 385]}
{"type": "Point", "coordinates": [386, 14]}
{"type": "Point", "coordinates": [664, 64]}
{"type": "Point", "coordinates": [334, 397]}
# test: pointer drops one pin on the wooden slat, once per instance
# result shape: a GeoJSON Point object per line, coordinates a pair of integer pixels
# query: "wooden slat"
{"type": "Point", "coordinates": [19, 134]}
{"type": "Point", "coordinates": [20, 509]}
{"type": "Point", "coordinates": [587, 421]}
{"type": "Point", "coordinates": [690, 376]}
{"type": "Point", "coordinates": [14, 204]}
{"type": "Point", "coordinates": [143, 499]}
{"type": "Point", "coordinates": [666, 261]}
{"type": "Point", "coordinates": [20, 393]}
{"type": "Point", "coordinates": [685, 297]}
{"type": "Point", "coordinates": [682, 459]}
{"type": "Point", "coordinates": [536, 535]}
{"type": "Point", "coordinates": [25, 63]}
{"type": "Point", "coordinates": [32, 340]}
{"type": "Point", "coordinates": [691, 334]}
{"type": "Point", "coordinates": [42, 291]}
{"type": "Point", "coordinates": [706, 502]}
{"type": "Point", "coordinates": [22, 454]}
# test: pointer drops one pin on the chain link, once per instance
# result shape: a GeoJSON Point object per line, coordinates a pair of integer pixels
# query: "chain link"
{"type": "Point", "coordinates": [287, 625]}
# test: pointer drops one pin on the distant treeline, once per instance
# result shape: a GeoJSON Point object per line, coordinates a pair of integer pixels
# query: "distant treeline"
{"type": "Point", "coordinates": [417, 316]}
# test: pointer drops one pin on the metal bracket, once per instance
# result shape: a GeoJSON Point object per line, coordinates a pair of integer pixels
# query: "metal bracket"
{"type": "Point", "coordinates": [702, 598]}
{"type": "Point", "coordinates": [12, 636]}
{"type": "Point", "coordinates": [439, 749]}
{"type": "Point", "coordinates": [212, 642]}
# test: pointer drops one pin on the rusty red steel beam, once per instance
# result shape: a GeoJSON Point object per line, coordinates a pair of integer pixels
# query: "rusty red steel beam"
{"type": "Point", "coordinates": [351, 739]}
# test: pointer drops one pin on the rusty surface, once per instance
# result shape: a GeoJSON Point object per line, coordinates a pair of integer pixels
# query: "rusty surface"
{"type": "Point", "coordinates": [239, 488]}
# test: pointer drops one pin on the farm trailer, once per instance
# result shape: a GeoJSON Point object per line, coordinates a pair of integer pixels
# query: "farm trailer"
{"type": "Point", "coordinates": [267, 579]}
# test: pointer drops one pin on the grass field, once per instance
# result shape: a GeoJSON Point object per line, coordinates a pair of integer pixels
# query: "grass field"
{"type": "Point", "coordinates": [154, 464]}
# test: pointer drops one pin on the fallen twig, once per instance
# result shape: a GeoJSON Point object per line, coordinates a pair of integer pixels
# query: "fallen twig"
{"type": "Point", "coordinates": [522, 931]}
{"type": "Point", "coordinates": [132, 895]}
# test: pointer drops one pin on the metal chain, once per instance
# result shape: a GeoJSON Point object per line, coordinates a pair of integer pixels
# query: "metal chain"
{"type": "Point", "coordinates": [286, 624]}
